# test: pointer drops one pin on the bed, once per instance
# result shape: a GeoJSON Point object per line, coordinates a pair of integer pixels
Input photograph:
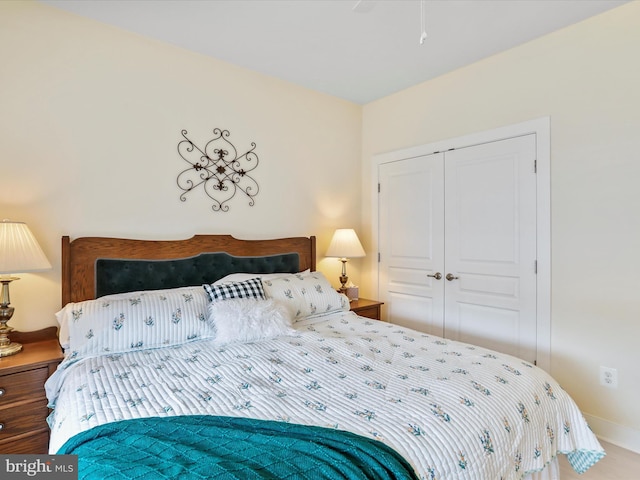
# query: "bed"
{"type": "Point", "coordinates": [215, 357]}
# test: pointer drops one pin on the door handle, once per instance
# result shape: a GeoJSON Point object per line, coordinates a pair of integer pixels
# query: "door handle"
{"type": "Point", "coordinates": [436, 275]}
{"type": "Point", "coordinates": [450, 277]}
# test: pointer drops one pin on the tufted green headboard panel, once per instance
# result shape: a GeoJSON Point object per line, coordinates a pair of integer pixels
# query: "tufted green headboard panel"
{"type": "Point", "coordinates": [124, 275]}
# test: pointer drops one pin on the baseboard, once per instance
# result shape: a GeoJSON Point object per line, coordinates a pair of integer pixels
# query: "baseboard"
{"type": "Point", "coordinates": [619, 435]}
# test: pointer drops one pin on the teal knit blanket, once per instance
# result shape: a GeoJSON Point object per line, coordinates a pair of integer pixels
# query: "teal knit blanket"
{"type": "Point", "coordinates": [225, 448]}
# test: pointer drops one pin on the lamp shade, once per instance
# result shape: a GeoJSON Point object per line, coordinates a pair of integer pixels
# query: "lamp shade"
{"type": "Point", "coordinates": [19, 250]}
{"type": "Point", "coordinates": [345, 244]}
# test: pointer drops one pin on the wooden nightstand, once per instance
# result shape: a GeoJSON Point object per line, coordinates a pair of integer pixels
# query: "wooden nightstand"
{"type": "Point", "coordinates": [23, 404]}
{"type": "Point", "coordinates": [366, 308]}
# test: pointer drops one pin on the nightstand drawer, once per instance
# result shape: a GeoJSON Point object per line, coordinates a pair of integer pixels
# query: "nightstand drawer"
{"type": "Point", "coordinates": [23, 385]}
{"type": "Point", "coordinates": [370, 312]}
{"type": "Point", "coordinates": [24, 417]}
{"type": "Point", "coordinates": [366, 308]}
{"type": "Point", "coordinates": [32, 444]}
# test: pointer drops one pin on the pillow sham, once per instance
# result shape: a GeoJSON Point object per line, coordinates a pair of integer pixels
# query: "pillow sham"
{"type": "Point", "coordinates": [251, 288]}
{"type": "Point", "coordinates": [247, 320]}
{"type": "Point", "coordinates": [306, 294]}
{"type": "Point", "coordinates": [150, 319]}
{"type": "Point", "coordinates": [63, 320]}
{"type": "Point", "coordinates": [137, 293]}
{"type": "Point", "coordinates": [239, 277]}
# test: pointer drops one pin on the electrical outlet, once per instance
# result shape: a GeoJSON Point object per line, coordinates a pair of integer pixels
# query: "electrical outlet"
{"type": "Point", "coordinates": [609, 377]}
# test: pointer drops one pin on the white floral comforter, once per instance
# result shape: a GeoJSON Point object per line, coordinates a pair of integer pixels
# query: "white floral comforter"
{"type": "Point", "coordinates": [452, 409]}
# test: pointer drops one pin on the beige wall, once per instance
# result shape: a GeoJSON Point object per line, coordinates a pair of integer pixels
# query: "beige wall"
{"type": "Point", "coordinates": [586, 78]}
{"type": "Point", "coordinates": [90, 119]}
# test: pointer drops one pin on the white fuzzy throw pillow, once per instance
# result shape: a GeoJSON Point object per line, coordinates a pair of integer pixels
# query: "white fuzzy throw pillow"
{"type": "Point", "coordinates": [247, 320]}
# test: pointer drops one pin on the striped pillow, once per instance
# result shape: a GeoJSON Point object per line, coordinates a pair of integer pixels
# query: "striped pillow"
{"type": "Point", "coordinates": [251, 288]}
{"type": "Point", "coordinates": [306, 294]}
{"type": "Point", "coordinates": [148, 319]}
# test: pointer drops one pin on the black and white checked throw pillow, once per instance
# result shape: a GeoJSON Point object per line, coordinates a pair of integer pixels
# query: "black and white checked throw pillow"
{"type": "Point", "coordinates": [251, 288]}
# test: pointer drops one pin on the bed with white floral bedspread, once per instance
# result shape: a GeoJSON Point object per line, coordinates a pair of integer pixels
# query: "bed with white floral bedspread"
{"type": "Point", "coordinates": [287, 349]}
{"type": "Point", "coordinates": [452, 409]}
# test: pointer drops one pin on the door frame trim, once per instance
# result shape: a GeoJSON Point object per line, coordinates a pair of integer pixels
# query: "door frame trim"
{"type": "Point", "coordinates": [542, 128]}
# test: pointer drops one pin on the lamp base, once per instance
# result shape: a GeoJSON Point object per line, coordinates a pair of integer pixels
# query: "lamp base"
{"type": "Point", "coordinates": [343, 284]}
{"type": "Point", "coordinates": [10, 349]}
{"type": "Point", "coordinates": [343, 277]}
{"type": "Point", "coordinates": [6, 312]}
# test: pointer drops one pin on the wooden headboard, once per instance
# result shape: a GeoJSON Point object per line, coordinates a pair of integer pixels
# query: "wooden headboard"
{"type": "Point", "coordinates": [79, 256]}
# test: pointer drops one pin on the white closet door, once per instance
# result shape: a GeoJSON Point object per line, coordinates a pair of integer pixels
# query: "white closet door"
{"type": "Point", "coordinates": [411, 240]}
{"type": "Point", "coordinates": [490, 231]}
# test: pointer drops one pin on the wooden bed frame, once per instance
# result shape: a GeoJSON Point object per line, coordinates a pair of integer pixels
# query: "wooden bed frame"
{"type": "Point", "coordinates": [79, 256]}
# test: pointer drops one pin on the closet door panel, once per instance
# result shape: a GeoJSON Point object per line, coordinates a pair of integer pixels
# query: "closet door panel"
{"type": "Point", "coordinates": [490, 327]}
{"type": "Point", "coordinates": [490, 218]}
{"type": "Point", "coordinates": [411, 239]}
{"type": "Point", "coordinates": [419, 312]}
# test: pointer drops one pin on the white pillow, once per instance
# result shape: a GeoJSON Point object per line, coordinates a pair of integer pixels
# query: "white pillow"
{"type": "Point", "coordinates": [305, 294]}
{"type": "Point", "coordinates": [241, 277]}
{"type": "Point", "coordinates": [63, 320]}
{"type": "Point", "coordinates": [247, 320]}
{"type": "Point", "coordinates": [149, 319]}
{"type": "Point", "coordinates": [137, 293]}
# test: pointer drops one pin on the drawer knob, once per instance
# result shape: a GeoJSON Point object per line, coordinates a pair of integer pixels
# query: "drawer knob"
{"type": "Point", "coordinates": [1, 392]}
{"type": "Point", "coordinates": [1, 426]}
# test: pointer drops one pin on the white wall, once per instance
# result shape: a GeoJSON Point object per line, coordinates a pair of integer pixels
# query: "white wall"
{"type": "Point", "coordinates": [586, 78]}
{"type": "Point", "coordinates": [90, 119]}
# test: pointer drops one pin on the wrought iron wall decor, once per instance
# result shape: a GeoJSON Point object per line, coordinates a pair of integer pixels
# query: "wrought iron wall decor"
{"type": "Point", "coordinates": [219, 169]}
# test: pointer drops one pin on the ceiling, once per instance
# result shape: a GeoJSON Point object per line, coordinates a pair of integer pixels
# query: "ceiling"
{"type": "Point", "coordinates": [359, 54]}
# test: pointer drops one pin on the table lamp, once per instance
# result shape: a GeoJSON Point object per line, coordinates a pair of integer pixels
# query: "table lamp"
{"type": "Point", "coordinates": [344, 245]}
{"type": "Point", "coordinates": [19, 253]}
